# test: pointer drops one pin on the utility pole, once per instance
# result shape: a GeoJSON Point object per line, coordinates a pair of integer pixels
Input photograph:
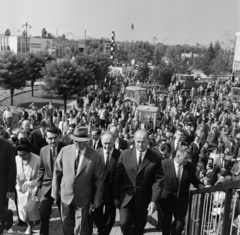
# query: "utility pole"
{"type": "Point", "coordinates": [26, 25]}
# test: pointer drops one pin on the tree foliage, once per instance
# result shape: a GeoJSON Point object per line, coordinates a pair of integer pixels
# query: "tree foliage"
{"type": "Point", "coordinates": [37, 61]}
{"type": "Point", "coordinates": [143, 72]}
{"type": "Point", "coordinates": [13, 69]}
{"type": "Point", "coordinates": [64, 78]}
{"type": "Point", "coordinates": [7, 32]}
{"type": "Point", "coordinates": [44, 33]}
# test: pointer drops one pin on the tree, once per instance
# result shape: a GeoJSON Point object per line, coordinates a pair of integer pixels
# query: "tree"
{"type": "Point", "coordinates": [97, 63]}
{"type": "Point", "coordinates": [37, 61]}
{"type": "Point", "coordinates": [7, 32]}
{"type": "Point", "coordinates": [143, 72]}
{"type": "Point", "coordinates": [63, 36]}
{"type": "Point", "coordinates": [44, 33]}
{"type": "Point", "coordinates": [64, 78]}
{"type": "Point", "coordinates": [13, 69]}
{"type": "Point", "coordinates": [24, 34]}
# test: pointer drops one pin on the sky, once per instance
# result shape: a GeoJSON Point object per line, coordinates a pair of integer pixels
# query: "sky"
{"type": "Point", "coordinates": [170, 21]}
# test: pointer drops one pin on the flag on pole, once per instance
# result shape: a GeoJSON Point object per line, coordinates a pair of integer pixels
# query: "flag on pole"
{"type": "Point", "coordinates": [132, 27]}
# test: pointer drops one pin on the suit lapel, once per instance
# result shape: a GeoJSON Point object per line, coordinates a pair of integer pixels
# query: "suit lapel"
{"type": "Point", "coordinates": [83, 161]}
{"type": "Point", "coordinates": [111, 163]}
{"type": "Point", "coordinates": [133, 159]}
{"type": "Point", "coordinates": [145, 161]}
{"type": "Point", "coordinates": [172, 170]}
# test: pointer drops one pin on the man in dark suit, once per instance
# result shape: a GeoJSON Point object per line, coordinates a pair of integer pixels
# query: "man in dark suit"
{"type": "Point", "coordinates": [37, 137]}
{"type": "Point", "coordinates": [195, 148]}
{"type": "Point", "coordinates": [120, 143]}
{"type": "Point", "coordinates": [204, 154]}
{"type": "Point", "coordinates": [48, 156]}
{"type": "Point", "coordinates": [7, 181]}
{"type": "Point", "coordinates": [137, 185]}
{"type": "Point", "coordinates": [178, 175]}
{"type": "Point", "coordinates": [110, 155]}
{"type": "Point", "coordinates": [95, 141]}
{"type": "Point", "coordinates": [175, 144]}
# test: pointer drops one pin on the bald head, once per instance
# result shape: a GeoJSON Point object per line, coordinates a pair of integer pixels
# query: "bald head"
{"type": "Point", "coordinates": [108, 140]}
{"type": "Point", "coordinates": [26, 126]}
{"type": "Point", "coordinates": [141, 140]}
{"type": "Point", "coordinates": [114, 130]}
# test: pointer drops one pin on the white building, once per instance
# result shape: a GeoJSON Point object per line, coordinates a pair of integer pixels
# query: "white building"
{"type": "Point", "coordinates": [20, 44]}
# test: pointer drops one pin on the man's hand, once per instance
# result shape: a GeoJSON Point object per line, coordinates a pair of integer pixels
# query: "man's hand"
{"type": "Point", "coordinates": [35, 192]}
{"type": "Point", "coordinates": [152, 208]}
{"type": "Point", "coordinates": [116, 203]}
{"type": "Point", "coordinates": [11, 195]}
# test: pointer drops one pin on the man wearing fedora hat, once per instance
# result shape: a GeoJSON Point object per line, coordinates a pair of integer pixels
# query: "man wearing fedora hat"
{"type": "Point", "coordinates": [79, 177]}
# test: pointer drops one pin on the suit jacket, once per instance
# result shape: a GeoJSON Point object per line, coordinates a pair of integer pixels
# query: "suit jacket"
{"type": "Point", "coordinates": [37, 139]}
{"type": "Point", "coordinates": [122, 144]}
{"type": "Point", "coordinates": [144, 184]}
{"type": "Point", "coordinates": [204, 155]}
{"type": "Point", "coordinates": [45, 171]}
{"type": "Point", "coordinates": [90, 143]}
{"type": "Point", "coordinates": [195, 150]}
{"type": "Point", "coordinates": [7, 169]}
{"type": "Point", "coordinates": [170, 191]}
{"type": "Point", "coordinates": [88, 183]}
{"type": "Point", "coordinates": [109, 174]}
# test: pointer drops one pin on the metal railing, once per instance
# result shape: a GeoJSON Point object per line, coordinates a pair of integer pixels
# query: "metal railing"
{"type": "Point", "coordinates": [215, 210]}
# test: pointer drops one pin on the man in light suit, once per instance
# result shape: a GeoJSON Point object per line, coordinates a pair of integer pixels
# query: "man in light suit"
{"type": "Point", "coordinates": [137, 185]}
{"type": "Point", "coordinates": [179, 173]}
{"type": "Point", "coordinates": [79, 177]}
{"type": "Point", "coordinates": [48, 155]}
{"type": "Point", "coordinates": [105, 220]}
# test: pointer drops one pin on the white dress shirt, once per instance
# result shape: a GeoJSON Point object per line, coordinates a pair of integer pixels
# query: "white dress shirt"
{"type": "Point", "coordinates": [105, 155]}
{"type": "Point", "coordinates": [117, 143]}
{"type": "Point", "coordinates": [176, 166]}
{"type": "Point", "coordinates": [142, 155]}
{"type": "Point", "coordinates": [95, 143]}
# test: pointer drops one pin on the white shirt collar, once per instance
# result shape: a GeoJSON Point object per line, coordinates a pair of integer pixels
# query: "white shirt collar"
{"type": "Point", "coordinates": [105, 152]}
{"type": "Point", "coordinates": [143, 153]}
{"type": "Point", "coordinates": [82, 151]}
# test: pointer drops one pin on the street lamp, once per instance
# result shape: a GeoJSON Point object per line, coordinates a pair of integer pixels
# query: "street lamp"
{"type": "Point", "coordinates": [154, 39]}
{"type": "Point", "coordinates": [163, 40]}
{"type": "Point", "coordinates": [186, 41]}
{"type": "Point", "coordinates": [26, 25]}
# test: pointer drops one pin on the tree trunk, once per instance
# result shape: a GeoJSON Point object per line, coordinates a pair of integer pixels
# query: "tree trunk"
{"type": "Point", "coordinates": [65, 103]}
{"type": "Point", "coordinates": [32, 85]}
{"type": "Point", "coordinates": [12, 93]}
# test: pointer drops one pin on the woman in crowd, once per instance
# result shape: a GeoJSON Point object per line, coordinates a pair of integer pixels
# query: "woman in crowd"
{"type": "Point", "coordinates": [27, 168]}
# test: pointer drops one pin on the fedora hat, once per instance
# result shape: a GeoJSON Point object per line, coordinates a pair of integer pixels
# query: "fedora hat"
{"type": "Point", "coordinates": [80, 134]}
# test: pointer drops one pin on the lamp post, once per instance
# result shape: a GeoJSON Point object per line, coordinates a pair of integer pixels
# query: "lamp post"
{"type": "Point", "coordinates": [26, 25]}
{"type": "Point", "coordinates": [163, 40]}
{"type": "Point", "coordinates": [186, 41]}
{"type": "Point", "coordinates": [154, 39]}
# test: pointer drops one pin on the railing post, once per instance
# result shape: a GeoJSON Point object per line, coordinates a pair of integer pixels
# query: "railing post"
{"type": "Point", "coordinates": [189, 212]}
{"type": "Point", "coordinates": [227, 211]}
{"type": "Point", "coordinates": [200, 214]}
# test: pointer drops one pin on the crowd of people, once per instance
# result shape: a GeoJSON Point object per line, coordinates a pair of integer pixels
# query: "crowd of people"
{"type": "Point", "coordinates": [98, 157]}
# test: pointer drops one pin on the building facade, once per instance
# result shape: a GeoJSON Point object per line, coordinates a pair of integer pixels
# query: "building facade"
{"type": "Point", "coordinates": [60, 47]}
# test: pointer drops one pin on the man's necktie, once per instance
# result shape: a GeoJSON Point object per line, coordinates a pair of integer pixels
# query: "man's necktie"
{"type": "Point", "coordinates": [77, 161]}
{"type": "Point", "coordinates": [94, 143]}
{"type": "Point", "coordinates": [53, 155]}
{"type": "Point", "coordinates": [179, 176]}
{"type": "Point", "coordinates": [107, 161]}
{"type": "Point", "coordinates": [139, 161]}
